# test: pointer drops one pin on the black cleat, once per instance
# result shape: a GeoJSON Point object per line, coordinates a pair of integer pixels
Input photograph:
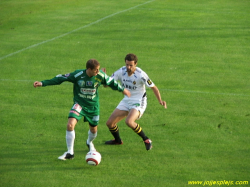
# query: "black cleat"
{"type": "Point", "coordinates": [113, 142]}
{"type": "Point", "coordinates": [148, 144]}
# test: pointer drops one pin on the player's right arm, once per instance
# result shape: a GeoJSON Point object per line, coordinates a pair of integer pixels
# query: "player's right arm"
{"type": "Point", "coordinates": [37, 84]}
{"type": "Point", "coordinates": [56, 80]}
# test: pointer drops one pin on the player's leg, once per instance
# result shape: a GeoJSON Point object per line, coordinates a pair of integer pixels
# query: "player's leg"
{"type": "Point", "coordinates": [115, 117]}
{"type": "Point", "coordinates": [133, 115]}
{"type": "Point", "coordinates": [130, 121]}
{"type": "Point", "coordinates": [70, 139]}
{"type": "Point", "coordinates": [70, 135]}
{"type": "Point", "coordinates": [92, 117]}
{"type": "Point", "coordinates": [92, 133]}
{"type": "Point", "coordinates": [74, 116]}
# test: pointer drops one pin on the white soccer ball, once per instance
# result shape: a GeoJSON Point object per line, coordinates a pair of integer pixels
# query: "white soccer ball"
{"type": "Point", "coordinates": [93, 158]}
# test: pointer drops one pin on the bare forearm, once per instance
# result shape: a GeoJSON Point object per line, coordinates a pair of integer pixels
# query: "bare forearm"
{"type": "Point", "coordinates": [158, 96]}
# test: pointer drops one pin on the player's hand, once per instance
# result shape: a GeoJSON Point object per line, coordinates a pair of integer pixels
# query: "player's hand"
{"type": "Point", "coordinates": [163, 103]}
{"type": "Point", "coordinates": [126, 92]}
{"type": "Point", "coordinates": [104, 70]}
{"type": "Point", "coordinates": [37, 84]}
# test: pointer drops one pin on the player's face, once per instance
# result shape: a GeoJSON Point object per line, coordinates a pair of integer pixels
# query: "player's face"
{"type": "Point", "coordinates": [93, 72]}
{"type": "Point", "coordinates": [131, 66]}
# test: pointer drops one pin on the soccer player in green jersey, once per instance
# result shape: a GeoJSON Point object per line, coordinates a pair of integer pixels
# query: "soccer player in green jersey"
{"type": "Point", "coordinates": [86, 100]}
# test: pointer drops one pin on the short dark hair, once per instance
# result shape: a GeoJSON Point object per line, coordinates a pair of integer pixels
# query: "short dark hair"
{"type": "Point", "coordinates": [131, 57]}
{"type": "Point", "coordinates": [92, 63]}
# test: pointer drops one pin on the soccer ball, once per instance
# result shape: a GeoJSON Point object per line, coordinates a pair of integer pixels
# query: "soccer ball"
{"type": "Point", "coordinates": [93, 158]}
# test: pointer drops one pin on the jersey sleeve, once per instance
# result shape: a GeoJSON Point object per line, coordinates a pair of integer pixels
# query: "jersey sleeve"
{"type": "Point", "coordinates": [70, 77]}
{"type": "Point", "coordinates": [111, 82]}
{"type": "Point", "coordinates": [147, 81]}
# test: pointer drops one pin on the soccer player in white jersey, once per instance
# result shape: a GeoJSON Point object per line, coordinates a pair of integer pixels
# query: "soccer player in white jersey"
{"type": "Point", "coordinates": [134, 79]}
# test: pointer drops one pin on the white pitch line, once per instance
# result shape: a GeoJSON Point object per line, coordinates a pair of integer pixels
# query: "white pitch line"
{"type": "Point", "coordinates": [85, 26]}
{"type": "Point", "coordinates": [162, 89]}
{"type": "Point", "coordinates": [212, 93]}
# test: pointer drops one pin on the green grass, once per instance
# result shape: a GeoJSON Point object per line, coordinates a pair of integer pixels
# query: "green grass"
{"type": "Point", "coordinates": [197, 53]}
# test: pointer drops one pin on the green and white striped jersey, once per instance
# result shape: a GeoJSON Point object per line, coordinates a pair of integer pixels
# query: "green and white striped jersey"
{"type": "Point", "coordinates": [85, 88]}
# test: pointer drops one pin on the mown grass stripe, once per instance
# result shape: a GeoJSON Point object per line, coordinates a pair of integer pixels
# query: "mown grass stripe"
{"type": "Point", "coordinates": [65, 34]}
{"type": "Point", "coordinates": [162, 89]}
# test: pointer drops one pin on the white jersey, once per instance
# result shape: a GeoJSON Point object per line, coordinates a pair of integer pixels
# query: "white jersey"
{"type": "Point", "coordinates": [134, 83]}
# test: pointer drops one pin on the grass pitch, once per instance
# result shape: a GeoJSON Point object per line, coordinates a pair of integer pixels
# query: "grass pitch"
{"type": "Point", "coordinates": [196, 52]}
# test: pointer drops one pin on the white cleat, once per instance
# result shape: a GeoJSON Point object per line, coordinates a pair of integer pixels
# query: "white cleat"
{"type": "Point", "coordinates": [91, 146]}
{"type": "Point", "coordinates": [66, 156]}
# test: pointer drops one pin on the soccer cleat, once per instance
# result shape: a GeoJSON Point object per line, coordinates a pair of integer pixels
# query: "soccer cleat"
{"type": "Point", "coordinates": [66, 156]}
{"type": "Point", "coordinates": [90, 146]}
{"type": "Point", "coordinates": [148, 144]}
{"type": "Point", "coordinates": [113, 142]}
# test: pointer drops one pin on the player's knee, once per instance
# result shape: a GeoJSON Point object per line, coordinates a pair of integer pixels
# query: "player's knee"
{"type": "Point", "coordinates": [70, 127]}
{"type": "Point", "coordinates": [71, 124]}
{"type": "Point", "coordinates": [129, 122]}
{"type": "Point", "coordinates": [109, 124]}
{"type": "Point", "coordinates": [93, 129]}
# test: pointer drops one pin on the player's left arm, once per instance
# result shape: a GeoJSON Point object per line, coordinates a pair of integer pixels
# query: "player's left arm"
{"type": "Point", "coordinates": [147, 81]}
{"type": "Point", "coordinates": [158, 96]}
{"type": "Point", "coordinates": [112, 83]}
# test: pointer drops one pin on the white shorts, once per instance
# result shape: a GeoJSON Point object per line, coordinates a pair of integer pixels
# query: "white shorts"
{"type": "Point", "coordinates": [139, 105]}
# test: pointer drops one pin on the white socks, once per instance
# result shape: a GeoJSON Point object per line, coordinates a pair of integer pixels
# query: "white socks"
{"type": "Point", "coordinates": [91, 137]}
{"type": "Point", "coordinates": [70, 138]}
